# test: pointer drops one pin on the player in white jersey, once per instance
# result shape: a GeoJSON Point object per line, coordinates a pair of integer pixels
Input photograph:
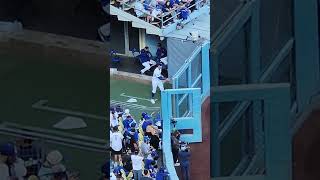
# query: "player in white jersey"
{"type": "Point", "coordinates": [157, 81]}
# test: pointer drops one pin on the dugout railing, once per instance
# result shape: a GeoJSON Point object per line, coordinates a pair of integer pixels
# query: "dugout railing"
{"type": "Point", "coordinates": [165, 18]}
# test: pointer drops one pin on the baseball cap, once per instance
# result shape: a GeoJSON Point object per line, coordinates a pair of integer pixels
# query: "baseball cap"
{"type": "Point", "coordinates": [7, 149]}
{"type": "Point", "coordinates": [54, 157]}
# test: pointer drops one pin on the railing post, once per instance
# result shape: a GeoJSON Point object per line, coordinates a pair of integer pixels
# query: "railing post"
{"type": "Point", "coordinates": [161, 21]}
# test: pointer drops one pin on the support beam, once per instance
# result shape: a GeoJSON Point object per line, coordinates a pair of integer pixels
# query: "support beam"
{"type": "Point", "coordinates": [306, 50]}
{"type": "Point", "coordinates": [126, 37]}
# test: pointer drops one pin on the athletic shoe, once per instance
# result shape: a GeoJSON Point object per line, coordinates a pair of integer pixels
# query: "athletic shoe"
{"type": "Point", "coordinates": [153, 101]}
{"type": "Point", "coordinates": [177, 164]}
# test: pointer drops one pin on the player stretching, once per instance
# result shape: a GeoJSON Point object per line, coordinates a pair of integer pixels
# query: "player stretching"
{"type": "Point", "coordinates": [157, 81]}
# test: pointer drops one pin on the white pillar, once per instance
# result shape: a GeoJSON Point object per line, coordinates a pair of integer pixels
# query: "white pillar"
{"type": "Point", "coordinates": [142, 38]}
{"type": "Point", "coordinates": [126, 38]}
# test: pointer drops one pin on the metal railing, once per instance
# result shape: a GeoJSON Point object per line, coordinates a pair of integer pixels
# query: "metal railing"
{"type": "Point", "coordinates": [165, 17]}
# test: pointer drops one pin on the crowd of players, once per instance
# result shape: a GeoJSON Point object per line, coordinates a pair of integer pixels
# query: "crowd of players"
{"type": "Point", "coordinates": [136, 147]}
{"type": "Point", "coordinates": [148, 60]}
{"type": "Point", "coordinates": [154, 11]}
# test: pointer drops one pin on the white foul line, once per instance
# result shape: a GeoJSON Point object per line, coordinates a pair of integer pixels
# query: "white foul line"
{"type": "Point", "coordinates": [133, 106]}
{"type": "Point", "coordinates": [123, 95]}
{"type": "Point", "coordinates": [41, 104]}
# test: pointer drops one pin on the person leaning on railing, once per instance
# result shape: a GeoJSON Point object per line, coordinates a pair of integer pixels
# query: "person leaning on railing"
{"type": "Point", "coordinates": [140, 11]}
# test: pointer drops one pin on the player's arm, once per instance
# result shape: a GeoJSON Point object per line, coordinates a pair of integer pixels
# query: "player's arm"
{"type": "Point", "coordinates": [161, 78]}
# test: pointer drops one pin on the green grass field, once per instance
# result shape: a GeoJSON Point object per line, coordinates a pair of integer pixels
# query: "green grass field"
{"type": "Point", "coordinates": [140, 92]}
{"type": "Point", "coordinates": [25, 81]}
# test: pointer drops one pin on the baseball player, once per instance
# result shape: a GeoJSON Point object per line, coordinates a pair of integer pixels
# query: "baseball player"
{"type": "Point", "coordinates": [157, 81]}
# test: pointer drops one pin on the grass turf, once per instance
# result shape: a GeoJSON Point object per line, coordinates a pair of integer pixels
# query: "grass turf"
{"type": "Point", "coordinates": [132, 88]}
{"type": "Point", "coordinates": [26, 80]}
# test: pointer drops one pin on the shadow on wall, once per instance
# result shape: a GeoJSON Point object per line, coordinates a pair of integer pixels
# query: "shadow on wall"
{"type": "Point", "coordinates": [77, 18]}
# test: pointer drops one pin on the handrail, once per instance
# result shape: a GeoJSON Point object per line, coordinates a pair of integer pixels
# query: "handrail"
{"type": "Point", "coordinates": [166, 140]}
{"type": "Point", "coordinates": [175, 12]}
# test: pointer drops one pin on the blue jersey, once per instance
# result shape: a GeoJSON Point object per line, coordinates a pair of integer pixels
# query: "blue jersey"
{"type": "Point", "coordinates": [117, 170]}
{"type": "Point", "coordinates": [145, 124]}
{"type": "Point", "coordinates": [184, 158]}
{"type": "Point", "coordinates": [172, 2]}
{"type": "Point", "coordinates": [145, 56]}
{"type": "Point", "coordinates": [161, 175]}
{"type": "Point", "coordinates": [128, 122]}
{"type": "Point", "coordinates": [161, 52]}
{"type": "Point", "coordinates": [147, 164]}
{"type": "Point", "coordinates": [135, 136]}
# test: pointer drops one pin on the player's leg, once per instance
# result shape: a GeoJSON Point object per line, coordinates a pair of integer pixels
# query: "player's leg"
{"type": "Point", "coordinates": [160, 85]}
{"type": "Point", "coordinates": [153, 63]}
{"type": "Point", "coordinates": [146, 67]}
{"type": "Point", "coordinates": [164, 60]}
{"type": "Point", "coordinates": [154, 90]}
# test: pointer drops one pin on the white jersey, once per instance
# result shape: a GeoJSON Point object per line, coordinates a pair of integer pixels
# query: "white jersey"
{"type": "Point", "coordinates": [156, 82]}
{"type": "Point", "coordinates": [157, 74]}
{"type": "Point", "coordinates": [116, 141]}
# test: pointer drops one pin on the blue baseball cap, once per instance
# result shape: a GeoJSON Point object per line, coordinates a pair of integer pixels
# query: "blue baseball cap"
{"type": "Point", "coordinates": [7, 149]}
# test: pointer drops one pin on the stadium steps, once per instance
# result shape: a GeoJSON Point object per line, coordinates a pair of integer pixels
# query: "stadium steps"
{"type": "Point", "coordinates": [55, 137]}
{"type": "Point", "coordinates": [136, 22]}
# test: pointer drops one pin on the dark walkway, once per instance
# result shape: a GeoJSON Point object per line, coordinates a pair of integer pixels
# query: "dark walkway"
{"type": "Point", "coordinates": [306, 149]}
{"type": "Point", "coordinates": [200, 160]}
